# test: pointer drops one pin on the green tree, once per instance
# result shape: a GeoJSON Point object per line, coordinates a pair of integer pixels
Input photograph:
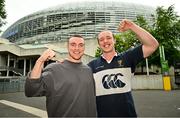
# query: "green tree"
{"type": "Point", "coordinates": [123, 42]}
{"type": "Point", "coordinates": [127, 39]}
{"type": "Point", "coordinates": [98, 52]}
{"type": "Point", "coordinates": [166, 30]}
{"type": "Point", "coordinates": [2, 13]}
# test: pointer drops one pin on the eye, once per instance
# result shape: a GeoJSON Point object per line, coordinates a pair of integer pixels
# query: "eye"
{"type": "Point", "coordinates": [73, 44]}
{"type": "Point", "coordinates": [101, 39]}
{"type": "Point", "coordinates": [81, 45]}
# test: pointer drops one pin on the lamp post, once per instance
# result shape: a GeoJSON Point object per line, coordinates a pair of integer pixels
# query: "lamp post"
{"type": "Point", "coordinates": [165, 69]}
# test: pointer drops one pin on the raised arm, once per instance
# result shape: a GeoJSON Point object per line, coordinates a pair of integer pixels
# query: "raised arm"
{"type": "Point", "coordinates": [37, 69]}
{"type": "Point", "coordinates": [150, 44]}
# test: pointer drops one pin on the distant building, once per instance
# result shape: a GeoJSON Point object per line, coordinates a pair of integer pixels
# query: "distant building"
{"type": "Point", "coordinates": [84, 18]}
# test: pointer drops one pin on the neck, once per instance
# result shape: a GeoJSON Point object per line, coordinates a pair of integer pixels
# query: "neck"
{"type": "Point", "coordinates": [109, 56]}
{"type": "Point", "coordinates": [73, 60]}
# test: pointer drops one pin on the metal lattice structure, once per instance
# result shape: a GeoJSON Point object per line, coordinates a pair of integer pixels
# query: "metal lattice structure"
{"type": "Point", "coordinates": [84, 18]}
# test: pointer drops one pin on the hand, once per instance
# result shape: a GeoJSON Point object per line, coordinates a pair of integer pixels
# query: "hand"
{"type": "Point", "coordinates": [47, 55]}
{"type": "Point", "coordinates": [125, 25]}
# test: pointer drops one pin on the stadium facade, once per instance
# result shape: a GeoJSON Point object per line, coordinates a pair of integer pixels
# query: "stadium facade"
{"type": "Point", "coordinates": [50, 28]}
{"type": "Point", "coordinates": [84, 18]}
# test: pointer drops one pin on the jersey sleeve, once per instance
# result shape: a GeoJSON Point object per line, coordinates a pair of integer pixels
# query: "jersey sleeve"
{"type": "Point", "coordinates": [134, 56]}
{"type": "Point", "coordinates": [91, 65]}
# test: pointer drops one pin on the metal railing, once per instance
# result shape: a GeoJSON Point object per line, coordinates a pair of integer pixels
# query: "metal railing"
{"type": "Point", "coordinates": [14, 70]}
{"type": "Point", "coordinates": [12, 84]}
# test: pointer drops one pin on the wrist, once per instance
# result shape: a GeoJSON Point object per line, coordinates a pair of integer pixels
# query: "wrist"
{"type": "Point", "coordinates": [133, 27]}
{"type": "Point", "coordinates": [41, 60]}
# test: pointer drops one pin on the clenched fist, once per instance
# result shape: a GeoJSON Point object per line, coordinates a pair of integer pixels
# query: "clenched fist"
{"type": "Point", "coordinates": [125, 25]}
{"type": "Point", "coordinates": [47, 55]}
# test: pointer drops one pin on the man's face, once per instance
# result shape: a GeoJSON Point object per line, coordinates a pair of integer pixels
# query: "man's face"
{"type": "Point", "coordinates": [106, 41]}
{"type": "Point", "coordinates": [76, 48]}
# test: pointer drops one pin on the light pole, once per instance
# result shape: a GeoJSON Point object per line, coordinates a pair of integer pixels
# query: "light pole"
{"type": "Point", "coordinates": [165, 69]}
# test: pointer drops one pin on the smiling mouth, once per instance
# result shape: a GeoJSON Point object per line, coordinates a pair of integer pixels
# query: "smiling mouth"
{"type": "Point", "coordinates": [107, 45]}
{"type": "Point", "coordinates": [76, 52]}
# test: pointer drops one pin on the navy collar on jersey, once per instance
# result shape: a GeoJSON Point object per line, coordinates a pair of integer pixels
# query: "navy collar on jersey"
{"type": "Point", "coordinates": [111, 59]}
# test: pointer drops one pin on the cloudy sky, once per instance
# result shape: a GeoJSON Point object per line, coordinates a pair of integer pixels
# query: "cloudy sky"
{"type": "Point", "coordinates": [17, 9]}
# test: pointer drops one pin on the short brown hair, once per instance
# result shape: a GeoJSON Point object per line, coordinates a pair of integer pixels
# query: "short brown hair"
{"type": "Point", "coordinates": [102, 31]}
{"type": "Point", "coordinates": [76, 35]}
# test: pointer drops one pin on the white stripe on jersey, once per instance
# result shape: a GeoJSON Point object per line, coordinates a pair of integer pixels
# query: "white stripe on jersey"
{"type": "Point", "coordinates": [113, 81]}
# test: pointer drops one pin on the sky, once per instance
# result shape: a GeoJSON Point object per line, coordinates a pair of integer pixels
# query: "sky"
{"type": "Point", "coordinates": [17, 9]}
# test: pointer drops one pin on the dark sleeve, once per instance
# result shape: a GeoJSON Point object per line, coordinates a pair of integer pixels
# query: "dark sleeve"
{"type": "Point", "coordinates": [134, 56]}
{"type": "Point", "coordinates": [90, 64]}
{"type": "Point", "coordinates": [37, 87]}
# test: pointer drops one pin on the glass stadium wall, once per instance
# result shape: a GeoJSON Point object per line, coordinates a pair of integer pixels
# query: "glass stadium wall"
{"type": "Point", "coordinates": [86, 20]}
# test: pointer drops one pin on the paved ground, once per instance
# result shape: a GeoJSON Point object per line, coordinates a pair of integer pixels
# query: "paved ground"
{"type": "Point", "coordinates": [149, 103]}
{"type": "Point", "coordinates": [157, 103]}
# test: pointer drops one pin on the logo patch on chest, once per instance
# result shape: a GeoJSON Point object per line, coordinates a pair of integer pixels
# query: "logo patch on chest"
{"type": "Point", "coordinates": [113, 81]}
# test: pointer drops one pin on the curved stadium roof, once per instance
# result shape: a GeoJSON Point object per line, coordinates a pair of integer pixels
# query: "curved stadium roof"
{"type": "Point", "coordinates": [84, 18]}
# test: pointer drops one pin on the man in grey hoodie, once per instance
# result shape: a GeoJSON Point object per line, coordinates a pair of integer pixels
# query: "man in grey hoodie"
{"type": "Point", "coordinates": [68, 86]}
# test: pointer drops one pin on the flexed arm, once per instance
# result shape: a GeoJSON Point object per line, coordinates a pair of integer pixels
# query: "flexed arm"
{"type": "Point", "coordinates": [150, 44]}
{"type": "Point", "coordinates": [37, 69]}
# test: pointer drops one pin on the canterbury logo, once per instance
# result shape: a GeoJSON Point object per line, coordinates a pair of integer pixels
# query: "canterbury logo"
{"type": "Point", "coordinates": [112, 81]}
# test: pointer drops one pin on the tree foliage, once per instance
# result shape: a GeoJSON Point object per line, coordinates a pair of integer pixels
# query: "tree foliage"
{"type": "Point", "coordinates": [165, 28]}
{"type": "Point", "coordinates": [2, 13]}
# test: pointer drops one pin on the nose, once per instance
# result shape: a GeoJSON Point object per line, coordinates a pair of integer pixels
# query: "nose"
{"type": "Point", "coordinates": [105, 40]}
{"type": "Point", "coordinates": [76, 47]}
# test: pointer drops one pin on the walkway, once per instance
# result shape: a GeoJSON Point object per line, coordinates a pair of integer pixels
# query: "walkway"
{"type": "Point", "coordinates": [149, 103]}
